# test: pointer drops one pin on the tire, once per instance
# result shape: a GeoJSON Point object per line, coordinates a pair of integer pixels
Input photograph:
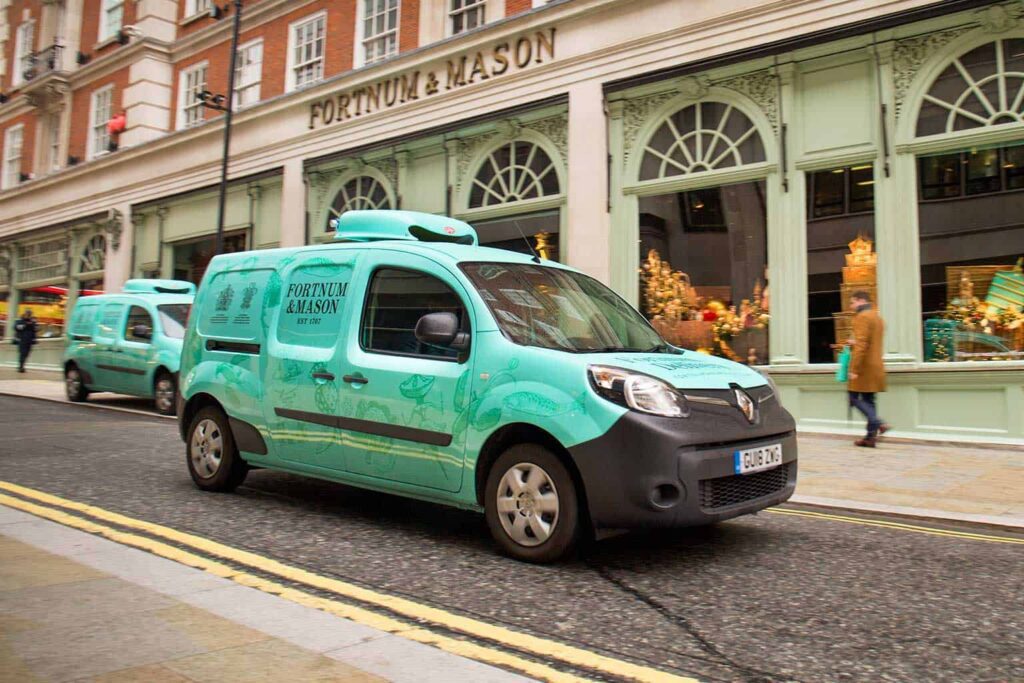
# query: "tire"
{"type": "Point", "coordinates": [542, 523]}
{"type": "Point", "coordinates": [165, 391]}
{"type": "Point", "coordinates": [73, 384]}
{"type": "Point", "coordinates": [217, 466]}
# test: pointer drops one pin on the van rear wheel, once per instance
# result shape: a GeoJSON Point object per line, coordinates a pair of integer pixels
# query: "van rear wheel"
{"type": "Point", "coordinates": [212, 458]}
{"type": "Point", "coordinates": [165, 390]}
{"type": "Point", "coordinates": [74, 385]}
{"type": "Point", "coordinates": [531, 504]}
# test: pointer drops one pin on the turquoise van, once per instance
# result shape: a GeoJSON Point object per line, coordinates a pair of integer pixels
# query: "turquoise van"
{"type": "Point", "coordinates": [129, 343]}
{"type": "Point", "coordinates": [407, 359]}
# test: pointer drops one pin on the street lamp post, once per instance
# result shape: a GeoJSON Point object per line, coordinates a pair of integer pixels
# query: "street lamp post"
{"type": "Point", "coordinates": [225, 103]}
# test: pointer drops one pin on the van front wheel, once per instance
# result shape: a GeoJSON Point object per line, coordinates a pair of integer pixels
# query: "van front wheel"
{"type": "Point", "coordinates": [213, 460]}
{"type": "Point", "coordinates": [531, 504]}
{"type": "Point", "coordinates": [74, 385]}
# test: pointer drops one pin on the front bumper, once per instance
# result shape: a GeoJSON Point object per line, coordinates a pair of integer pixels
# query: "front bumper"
{"type": "Point", "coordinates": [649, 471]}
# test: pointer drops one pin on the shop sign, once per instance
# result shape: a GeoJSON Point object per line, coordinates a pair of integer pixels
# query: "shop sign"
{"type": "Point", "coordinates": [507, 56]}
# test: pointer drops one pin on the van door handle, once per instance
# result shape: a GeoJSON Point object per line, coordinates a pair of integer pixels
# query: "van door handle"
{"type": "Point", "coordinates": [324, 375]}
{"type": "Point", "coordinates": [355, 379]}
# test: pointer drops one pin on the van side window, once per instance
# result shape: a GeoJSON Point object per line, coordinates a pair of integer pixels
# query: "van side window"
{"type": "Point", "coordinates": [138, 315]}
{"type": "Point", "coordinates": [396, 300]}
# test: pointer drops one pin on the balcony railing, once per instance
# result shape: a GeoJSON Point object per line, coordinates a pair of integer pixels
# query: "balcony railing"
{"type": "Point", "coordinates": [42, 62]}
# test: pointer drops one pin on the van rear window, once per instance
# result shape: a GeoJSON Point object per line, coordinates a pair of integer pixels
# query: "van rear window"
{"type": "Point", "coordinates": [233, 304]}
{"type": "Point", "coordinates": [82, 320]}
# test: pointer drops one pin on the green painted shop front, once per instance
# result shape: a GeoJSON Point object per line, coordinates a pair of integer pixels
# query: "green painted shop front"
{"type": "Point", "coordinates": [756, 197]}
{"type": "Point", "coordinates": [174, 236]}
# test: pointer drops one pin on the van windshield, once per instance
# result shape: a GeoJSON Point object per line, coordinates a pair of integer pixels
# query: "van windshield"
{"type": "Point", "coordinates": [173, 319]}
{"type": "Point", "coordinates": [560, 309]}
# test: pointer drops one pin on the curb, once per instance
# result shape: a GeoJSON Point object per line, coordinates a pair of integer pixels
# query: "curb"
{"type": "Point", "coordinates": [919, 514]}
{"type": "Point", "coordinates": [86, 404]}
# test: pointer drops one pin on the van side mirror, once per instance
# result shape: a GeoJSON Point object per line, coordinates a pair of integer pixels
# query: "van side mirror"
{"type": "Point", "coordinates": [441, 329]}
{"type": "Point", "coordinates": [142, 332]}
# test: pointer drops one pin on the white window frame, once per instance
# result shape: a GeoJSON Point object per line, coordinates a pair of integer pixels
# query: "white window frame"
{"type": "Point", "coordinates": [467, 7]}
{"type": "Point", "coordinates": [99, 138]}
{"type": "Point", "coordinates": [53, 140]}
{"type": "Point", "coordinates": [23, 48]}
{"type": "Point", "coordinates": [291, 82]}
{"type": "Point", "coordinates": [12, 163]}
{"type": "Point", "coordinates": [250, 89]}
{"type": "Point", "coordinates": [107, 9]}
{"type": "Point", "coordinates": [197, 7]}
{"type": "Point", "coordinates": [187, 102]}
{"type": "Point", "coordinates": [363, 41]}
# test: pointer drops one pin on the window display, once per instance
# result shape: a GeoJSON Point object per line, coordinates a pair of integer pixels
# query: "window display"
{"type": "Point", "coordinates": [972, 255]}
{"type": "Point", "coordinates": [703, 270]}
{"type": "Point", "coordinates": [840, 253]}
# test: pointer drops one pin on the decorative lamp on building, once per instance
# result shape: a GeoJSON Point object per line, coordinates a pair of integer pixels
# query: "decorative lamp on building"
{"type": "Point", "coordinates": [81, 58]}
{"type": "Point", "coordinates": [24, 177]}
{"type": "Point", "coordinates": [3, 98]}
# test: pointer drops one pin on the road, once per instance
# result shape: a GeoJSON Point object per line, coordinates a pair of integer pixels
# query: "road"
{"type": "Point", "coordinates": [772, 597]}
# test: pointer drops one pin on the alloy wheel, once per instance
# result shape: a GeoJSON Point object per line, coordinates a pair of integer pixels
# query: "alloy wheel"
{"type": "Point", "coordinates": [206, 448]}
{"type": "Point", "coordinates": [164, 395]}
{"type": "Point", "coordinates": [72, 383]}
{"type": "Point", "coordinates": [527, 504]}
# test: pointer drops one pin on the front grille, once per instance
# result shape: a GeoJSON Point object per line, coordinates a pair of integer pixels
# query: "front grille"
{"type": "Point", "coordinates": [741, 488]}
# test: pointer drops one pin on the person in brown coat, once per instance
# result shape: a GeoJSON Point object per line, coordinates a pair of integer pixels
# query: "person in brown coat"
{"type": "Point", "coordinates": [867, 372]}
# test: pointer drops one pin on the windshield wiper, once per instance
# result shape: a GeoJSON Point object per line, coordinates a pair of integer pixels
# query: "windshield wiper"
{"type": "Point", "coordinates": [658, 348]}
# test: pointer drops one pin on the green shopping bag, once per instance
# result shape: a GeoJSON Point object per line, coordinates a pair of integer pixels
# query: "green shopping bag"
{"type": "Point", "coordinates": [843, 371]}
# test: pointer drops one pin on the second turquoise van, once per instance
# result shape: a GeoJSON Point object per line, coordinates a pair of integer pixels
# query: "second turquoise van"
{"type": "Point", "coordinates": [129, 342]}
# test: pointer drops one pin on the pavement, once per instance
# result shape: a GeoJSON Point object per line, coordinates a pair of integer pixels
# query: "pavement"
{"type": "Point", "coordinates": [980, 484]}
{"type": "Point", "coordinates": [75, 607]}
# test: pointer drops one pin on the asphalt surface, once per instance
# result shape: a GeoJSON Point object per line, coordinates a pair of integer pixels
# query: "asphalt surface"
{"type": "Point", "coordinates": [763, 598]}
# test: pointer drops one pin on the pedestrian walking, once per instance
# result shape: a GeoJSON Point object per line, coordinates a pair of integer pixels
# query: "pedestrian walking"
{"type": "Point", "coordinates": [866, 376]}
{"type": "Point", "coordinates": [24, 337]}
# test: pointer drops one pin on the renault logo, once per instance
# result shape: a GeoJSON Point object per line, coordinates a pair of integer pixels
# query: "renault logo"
{"type": "Point", "coordinates": [746, 405]}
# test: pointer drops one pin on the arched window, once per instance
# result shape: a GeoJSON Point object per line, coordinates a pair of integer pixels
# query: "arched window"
{"type": "Point", "coordinates": [514, 172]}
{"type": "Point", "coordinates": [983, 87]}
{"type": "Point", "coordinates": [93, 257]}
{"type": "Point", "coordinates": [701, 137]}
{"type": "Point", "coordinates": [361, 192]}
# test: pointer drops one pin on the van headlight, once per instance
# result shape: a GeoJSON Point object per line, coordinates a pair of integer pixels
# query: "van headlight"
{"type": "Point", "coordinates": [642, 393]}
{"type": "Point", "coordinates": [771, 382]}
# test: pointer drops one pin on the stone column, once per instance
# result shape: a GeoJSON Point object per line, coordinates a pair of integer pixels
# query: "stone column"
{"type": "Point", "coordinates": [120, 238]}
{"type": "Point", "coordinates": [589, 223]}
{"type": "Point", "coordinates": [787, 238]}
{"type": "Point", "coordinates": [12, 296]}
{"type": "Point", "coordinates": [293, 205]}
{"type": "Point", "coordinates": [896, 233]}
{"type": "Point", "coordinates": [148, 100]}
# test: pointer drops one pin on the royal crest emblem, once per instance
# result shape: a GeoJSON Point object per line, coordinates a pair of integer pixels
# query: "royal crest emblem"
{"type": "Point", "coordinates": [225, 297]}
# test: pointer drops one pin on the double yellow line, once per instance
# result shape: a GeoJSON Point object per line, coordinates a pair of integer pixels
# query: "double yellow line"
{"type": "Point", "coordinates": [88, 518]}
{"type": "Point", "coordinates": [899, 526]}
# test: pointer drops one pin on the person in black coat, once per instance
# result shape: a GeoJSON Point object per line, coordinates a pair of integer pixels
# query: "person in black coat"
{"type": "Point", "coordinates": [24, 337]}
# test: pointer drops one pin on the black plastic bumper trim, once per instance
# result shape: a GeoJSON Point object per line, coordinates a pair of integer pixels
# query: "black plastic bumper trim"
{"type": "Point", "coordinates": [247, 437]}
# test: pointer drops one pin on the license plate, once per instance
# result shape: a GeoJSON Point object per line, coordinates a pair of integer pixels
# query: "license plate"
{"type": "Point", "coordinates": [757, 459]}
